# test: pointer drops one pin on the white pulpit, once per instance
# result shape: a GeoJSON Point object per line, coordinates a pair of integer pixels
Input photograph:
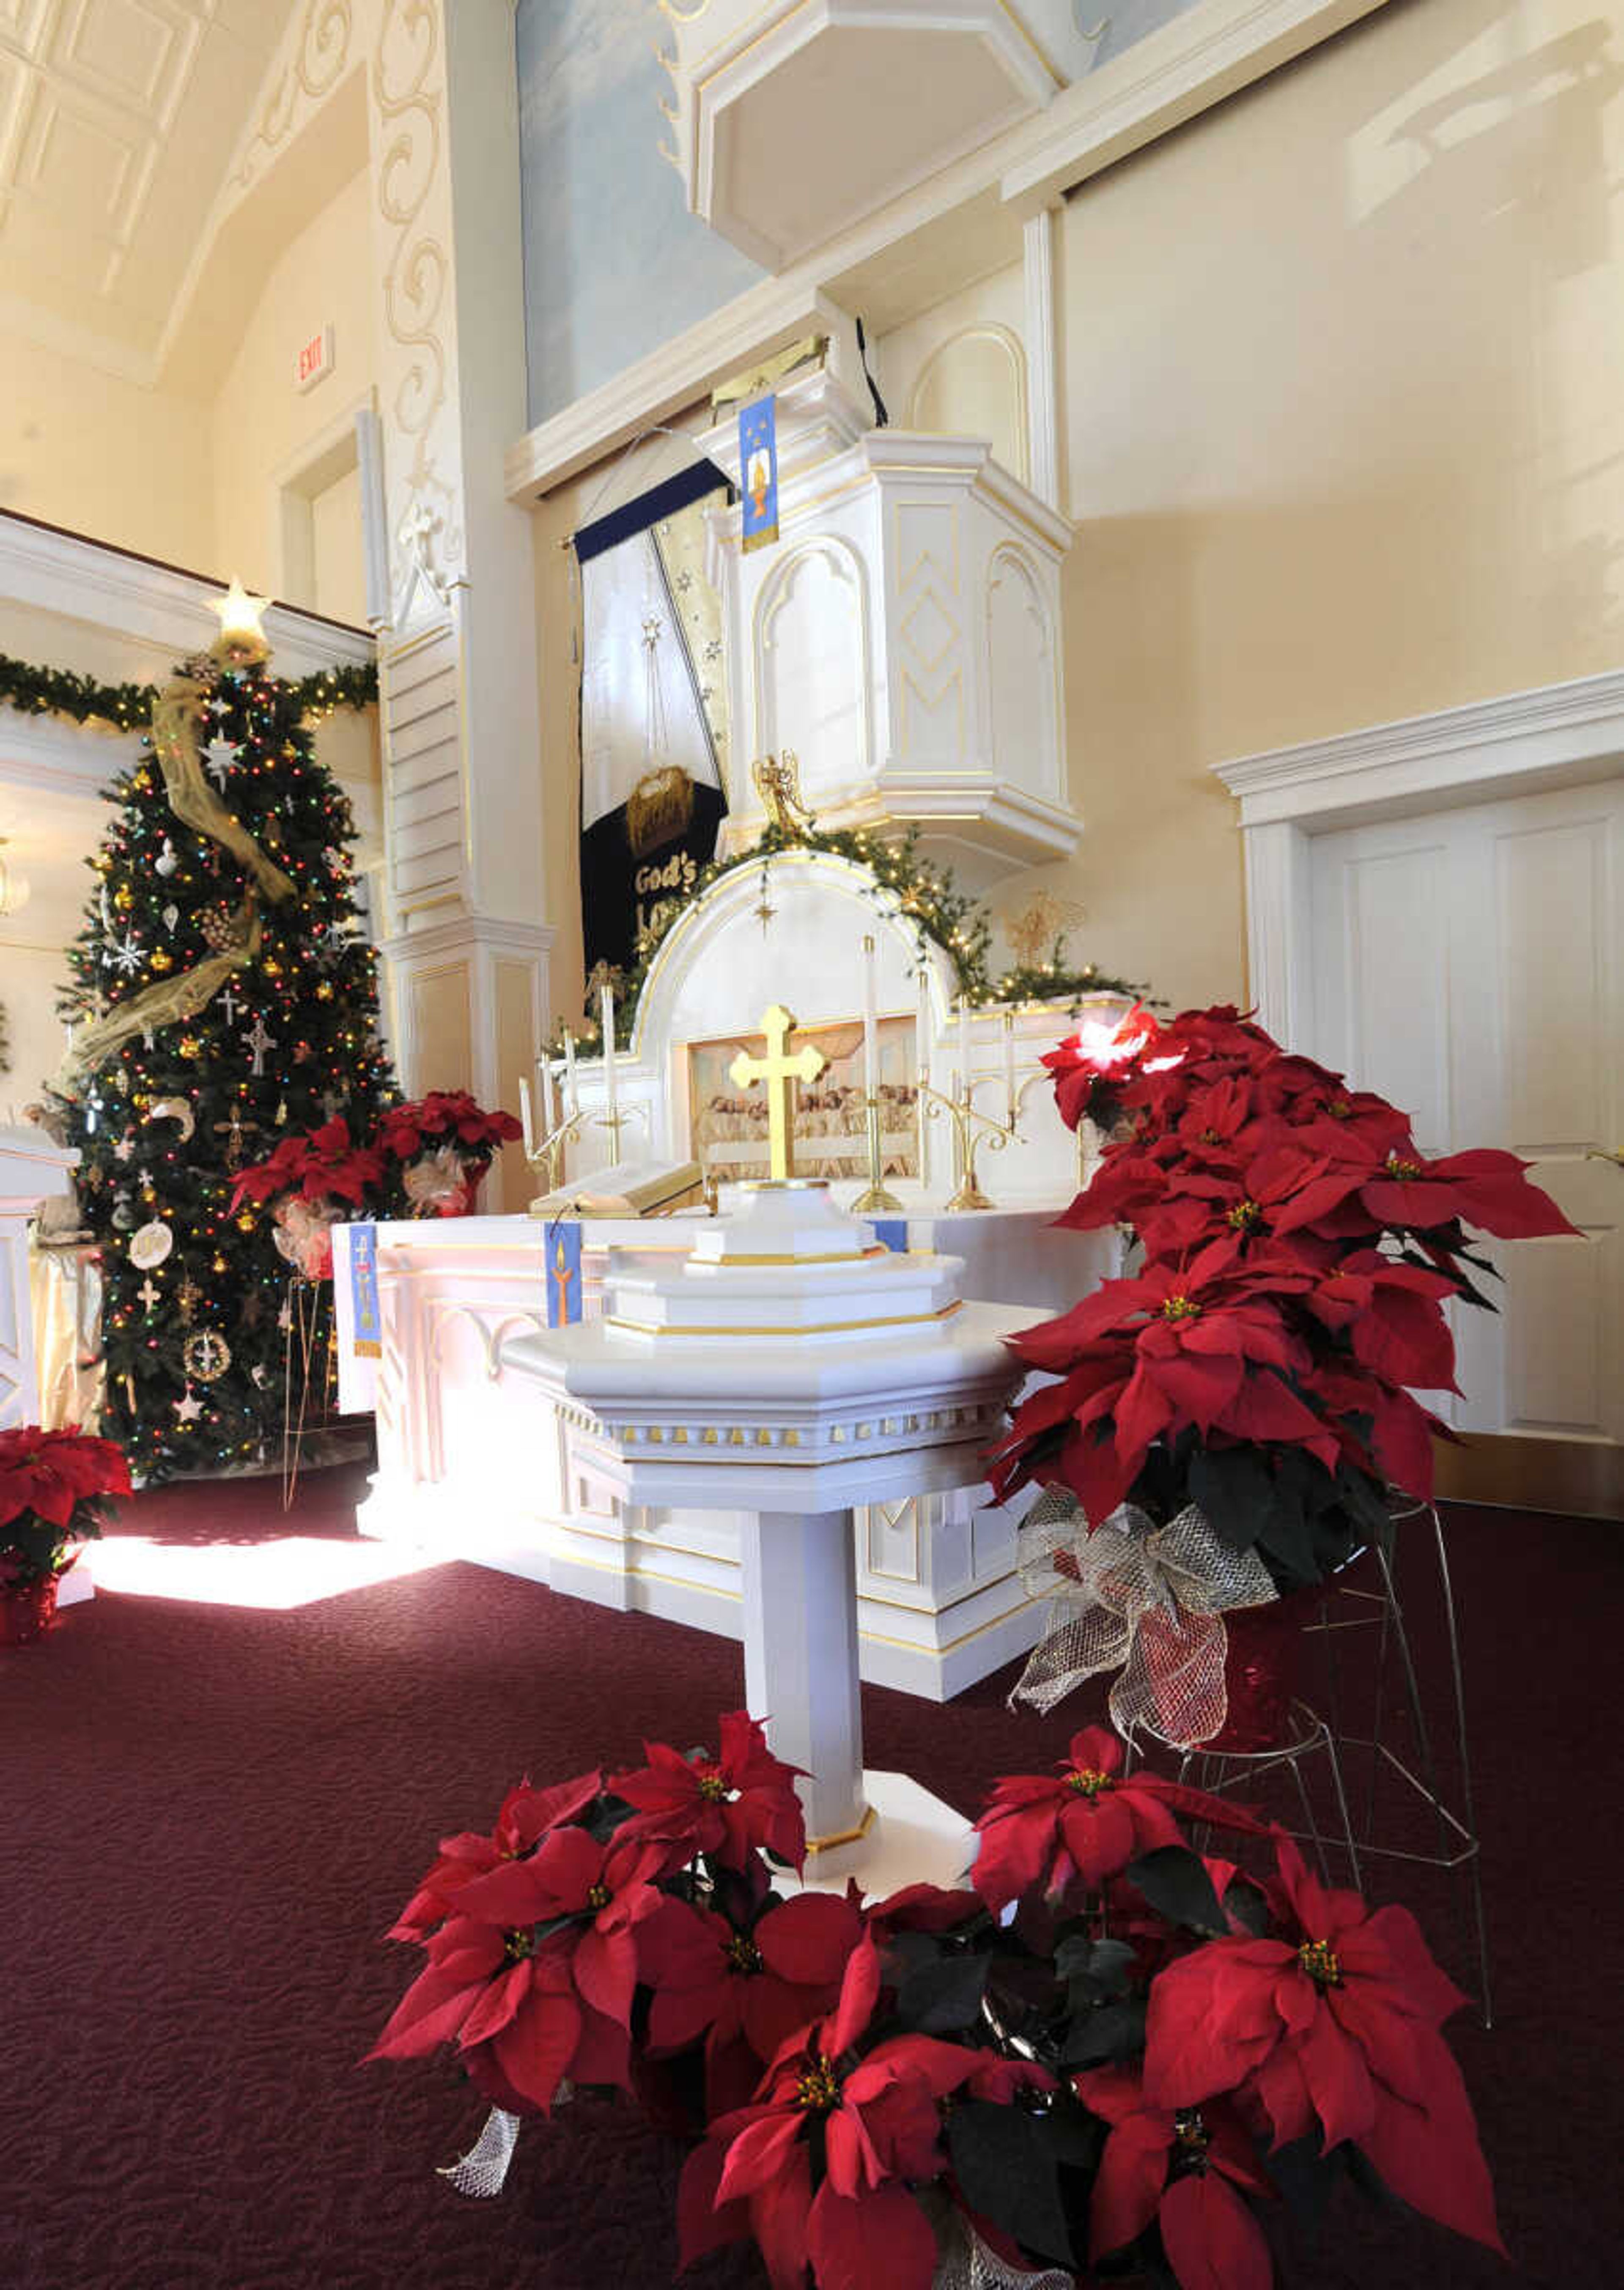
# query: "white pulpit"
{"type": "Point", "coordinates": [32, 1170]}
{"type": "Point", "coordinates": [782, 1372]}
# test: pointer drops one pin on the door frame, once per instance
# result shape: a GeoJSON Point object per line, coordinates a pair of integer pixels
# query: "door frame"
{"type": "Point", "coordinates": [1523, 743]}
{"type": "Point", "coordinates": [1556, 735]}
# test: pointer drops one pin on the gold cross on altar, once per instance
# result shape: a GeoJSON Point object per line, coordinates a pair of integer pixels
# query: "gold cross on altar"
{"type": "Point", "coordinates": [780, 1071]}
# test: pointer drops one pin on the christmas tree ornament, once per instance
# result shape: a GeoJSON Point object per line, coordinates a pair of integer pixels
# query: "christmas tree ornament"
{"type": "Point", "coordinates": [123, 954]}
{"type": "Point", "coordinates": [258, 1041]}
{"type": "Point", "coordinates": [207, 1355]}
{"type": "Point", "coordinates": [242, 642]}
{"type": "Point", "coordinates": [189, 1407]}
{"type": "Point", "coordinates": [172, 1108]}
{"type": "Point", "coordinates": [187, 1298]}
{"type": "Point", "coordinates": [150, 1293]}
{"type": "Point", "coordinates": [166, 862]}
{"type": "Point", "coordinates": [259, 1375]}
{"type": "Point", "coordinates": [247, 1220]}
{"type": "Point", "coordinates": [123, 898]}
{"type": "Point", "coordinates": [171, 915]}
{"type": "Point", "coordinates": [151, 1244]}
{"type": "Point", "coordinates": [161, 959]}
{"type": "Point", "coordinates": [323, 992]}
{"type": "Point", "coordinates": [125, 1146]}
{"type": "Point", "coordinates": [123, 1215]}
{"type": "Point", "coordinates": [222, 756]}
{"type": "Point", "coordinates": [270, 968]}
{"type": "Point", "coordinates": [190, 1045]}
{"type": "Point", "coordinates": [217, 1263]}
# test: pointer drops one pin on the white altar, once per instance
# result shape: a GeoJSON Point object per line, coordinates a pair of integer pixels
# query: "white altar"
{"type": "Point", "coordinates": [472, 1462]}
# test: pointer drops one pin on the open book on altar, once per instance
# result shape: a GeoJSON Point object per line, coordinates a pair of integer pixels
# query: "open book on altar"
{"type": "Point", "coordinates": [635, 1189]}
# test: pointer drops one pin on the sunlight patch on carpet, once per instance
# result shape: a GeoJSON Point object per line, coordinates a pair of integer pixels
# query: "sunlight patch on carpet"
{"type": "Point", "coordinates": [290, 1570]}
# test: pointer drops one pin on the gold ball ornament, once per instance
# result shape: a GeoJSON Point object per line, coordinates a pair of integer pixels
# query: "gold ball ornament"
{"type": "Point", "coordinates": [271, 967]}
{"type": "Point", "coordinates": [160, 959]}
{"type": "Point", "coordinates": [217, 1263]}
{"type": "Point", "coordinates": [323, 992]}
{"type": "Point", "coordinates": [190, 1046]}
{"type": "Point", "coordinates": [123, 898]}
{"type": "Point", "coordinates": [246, 1222]}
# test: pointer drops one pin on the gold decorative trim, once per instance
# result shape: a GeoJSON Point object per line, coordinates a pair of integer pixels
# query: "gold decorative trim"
{"type": "Point", "coordinates": [842, 1835]}
{"type": "Point", "coordinates": [820, 1328]}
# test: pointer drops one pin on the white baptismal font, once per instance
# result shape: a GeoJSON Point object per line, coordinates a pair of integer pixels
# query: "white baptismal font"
{"type": "Point", "coordinates": [785, 1371]}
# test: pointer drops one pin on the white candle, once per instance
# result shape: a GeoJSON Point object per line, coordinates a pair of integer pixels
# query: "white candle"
{"type": "Point", "coordinates": [963, 1049]}
{"type": "Point", "coordinates": [570, 1088]}
{"type": "Point", "coordinates": [606, 1012]}
{"type": "Point", "coordinates": [1009, 1064]}
{"type": "Point", "coordinates": [526, 1121]}
{"type": "Point", "coordinates": [922, 1047]}
{"type": "Point", "coordinates": [871, 1022]}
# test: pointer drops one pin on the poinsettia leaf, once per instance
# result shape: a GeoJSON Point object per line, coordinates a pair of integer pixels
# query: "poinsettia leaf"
{"type": "Point", "coordinates": [1177, 1886]}
{"type": "Point", "coordinates": [1109, 2032]}
{"type": "Point", "coordinates": [1248, 1904]}
{"type": "Point", "coordinates": [1008, 2171]}
{"type": "Point", "coordinates": [1235, 1490]}
{"type": "Point", "coordinates": [1307, 2178]}
{"type": "Point", "coordinates": [936, 1999]}
{"type": "Point", "coordinates": [603, 1817]}
{"type": "Point", "coordinates": [1104, 1965]}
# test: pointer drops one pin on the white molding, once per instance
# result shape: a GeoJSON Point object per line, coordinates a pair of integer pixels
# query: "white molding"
{"type": "Point", "coordinates": [156, 603]}
{"type": "Point", "coordinates": [62, 758]}
{"type": "Point", "coordinates": [1043, 355]}
{"type": "Point", "coordinates": [461, 933]}
{"type": "Point", "coordinates": [753, 326]}
{"type": "Point", "coordinates": [1557, 735]}
{"type": "Point", "coordinates": [1203, 55]}
{"type": "Point", "coordinates": [1206, 54]}
{"type": "Point", "coordinates": [1523, 740]}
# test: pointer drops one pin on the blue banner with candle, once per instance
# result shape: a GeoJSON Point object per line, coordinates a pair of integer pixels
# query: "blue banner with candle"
{"type": "Point", "coordinates": [563, 1273]}
{"type": "Point", "coordinates": [758, 470]}
{"type": "Point", "coordinates": [364, 1317]}
{"type": "Point", "coordinates": [891, 1232]}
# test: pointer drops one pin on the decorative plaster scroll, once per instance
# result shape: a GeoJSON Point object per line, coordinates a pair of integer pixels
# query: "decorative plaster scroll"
{"type": "Point", "coordinates": [315, 65]}
{"type": "Point", "coordinates": [408, 125]}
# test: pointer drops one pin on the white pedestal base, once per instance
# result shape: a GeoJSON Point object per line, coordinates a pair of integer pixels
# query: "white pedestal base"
{"type": "Point", "coordinates": [913, 1839]}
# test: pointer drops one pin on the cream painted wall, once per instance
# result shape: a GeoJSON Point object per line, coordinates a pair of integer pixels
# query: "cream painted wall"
{"type": "Point", "coordinates": [85, 449]}
{"type": "Point", "coordinates": [263, 427]}
{"type": "Point", "coordinates": [1345, 432]}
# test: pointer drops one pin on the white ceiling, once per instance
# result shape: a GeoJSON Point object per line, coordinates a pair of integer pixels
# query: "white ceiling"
{"type": "Point", "coordinates": [118, 119]}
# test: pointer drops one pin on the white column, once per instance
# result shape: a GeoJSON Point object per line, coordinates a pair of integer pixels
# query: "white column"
{"type": "Point", "coordinates": [1043, 357]}
{"type": "Point", "coordinates": [800, 1655]}
{"type": "Point", "coordinates": [1279, 929]}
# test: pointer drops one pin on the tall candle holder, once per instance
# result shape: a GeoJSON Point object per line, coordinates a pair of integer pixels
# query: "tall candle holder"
{"type": "Point", "coordinates": [876, 1200]}
{"type": "Point", "coordinates": [971, 1130]}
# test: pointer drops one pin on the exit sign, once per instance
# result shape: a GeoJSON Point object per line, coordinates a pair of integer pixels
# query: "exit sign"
{"type": "Point", "coordinates": [314, 359]}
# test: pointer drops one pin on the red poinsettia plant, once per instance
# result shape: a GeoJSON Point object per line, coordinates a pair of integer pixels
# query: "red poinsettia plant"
{"type": "Point", "coordinates": [1098, 2054]}
{"type": "Point", "coordinates": [1297, 1253]}
{"type": "Point", "coordinates": [54, 1487]}
{"type": "Point", "coordinates": [442, 1144]}
{"type": "Point", "coordinates": [309, 1180]}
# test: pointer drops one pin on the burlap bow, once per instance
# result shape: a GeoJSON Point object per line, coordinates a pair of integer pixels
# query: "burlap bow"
{"type": "Point", "coordinates": [1148, 1600]}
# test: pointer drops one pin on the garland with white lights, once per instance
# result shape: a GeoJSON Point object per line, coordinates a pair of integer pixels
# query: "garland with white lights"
{"type": "Point", "coordinates": [128, 706]}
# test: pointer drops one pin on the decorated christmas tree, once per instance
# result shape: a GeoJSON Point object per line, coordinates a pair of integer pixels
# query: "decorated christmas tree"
{"type": "Point", "coordinates": [221, 997]}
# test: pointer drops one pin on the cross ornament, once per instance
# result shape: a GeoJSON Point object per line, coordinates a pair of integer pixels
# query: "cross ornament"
{"type": "Point", "coordinates": [258, 1041]}
{"type": "Point", "coordinates": [780, 1071]}
{"type": "Point", "coordinates": [234, 1131]}
{"type": "Point", "coordinates": [149, 1294]}
{"type": "Point", "coordinates": [229, 1004]}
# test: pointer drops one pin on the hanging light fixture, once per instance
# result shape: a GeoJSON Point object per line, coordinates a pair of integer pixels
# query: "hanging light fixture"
{"type": "Point", "coordinates": [13, 886]}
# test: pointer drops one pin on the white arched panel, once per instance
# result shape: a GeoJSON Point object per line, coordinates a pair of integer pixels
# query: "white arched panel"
{"type": "Point", "coordinates": [811, 667]}
{"type": "Point", "coordinates": [1022, 675]}
{"type": "Point", "coordinates": [974, 385]}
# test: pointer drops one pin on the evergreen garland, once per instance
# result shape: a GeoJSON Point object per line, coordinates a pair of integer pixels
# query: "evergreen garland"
{"type": "Point", "coordinates": [941, 914]}
{"type": "Point", "coordinates": [128, 706]}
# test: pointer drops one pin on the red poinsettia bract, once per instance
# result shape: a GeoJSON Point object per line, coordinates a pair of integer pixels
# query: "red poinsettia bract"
{"type": "Point", "coordinates": [537, 1967]}
{"type": "Point", "coordinates": [324, 1164]}
{"type": "Point", "coordinates": [444, 1116]}
{"type": "Point", "coordinates": [722, 1807]}
{"type": "Point", "coordinates": [745, 1992]}
{"type": "Point", "coordinates": [1334, 2030]}
{"type": "Point", "coordinates": [1181, 2168]}
{"type": "Point", "coordinates": [1082, 1823]}
{"type": "Point", "coordinates": [819, 2169]}
{"type": "Point", "coordinates": [51, 1473]}
{"type": "Point", "coordinates": [525, 1816]}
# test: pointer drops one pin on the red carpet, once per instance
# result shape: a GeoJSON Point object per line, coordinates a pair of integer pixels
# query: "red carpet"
{"type": "Point", "coordinates": [212, 1811]}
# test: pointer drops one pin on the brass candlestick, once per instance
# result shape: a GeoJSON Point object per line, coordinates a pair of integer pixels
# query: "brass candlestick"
{"type": "Point", "coordinates": [877, 1198]}
{"type": "Point", "coordinates": [548, 1158]}
{"type": "Point", "coordinates": [966, 1141]}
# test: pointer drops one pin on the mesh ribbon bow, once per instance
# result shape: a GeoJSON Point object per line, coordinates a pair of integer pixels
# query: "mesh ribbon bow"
{"type": "Point", "coordinates": [1147, 1599]}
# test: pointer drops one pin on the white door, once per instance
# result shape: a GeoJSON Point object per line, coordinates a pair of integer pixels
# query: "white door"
{"type": "Point", "coordinates": [1469, 964]}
